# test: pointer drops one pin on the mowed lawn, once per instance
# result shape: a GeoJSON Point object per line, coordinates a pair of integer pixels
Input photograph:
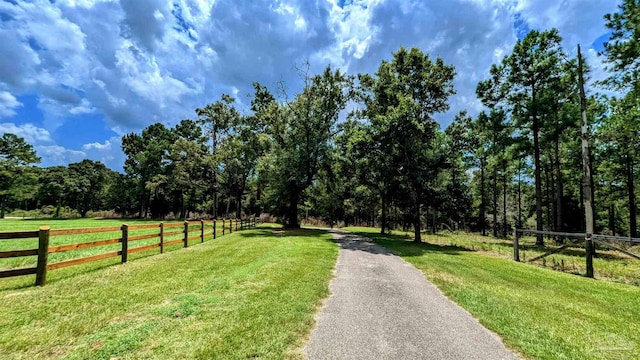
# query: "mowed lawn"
{"type": "Point", "coordinates": [12, 225]}
{"type": "Point", "coordinates": [540, 313]}
{"type": "Point", "coordinates": [251, 294]}
{"type": "Point", "coordinates": [608, 264]}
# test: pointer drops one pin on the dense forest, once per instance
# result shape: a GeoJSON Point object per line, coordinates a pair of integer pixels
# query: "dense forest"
{"type": "Point", "coordinates": [365, 149]}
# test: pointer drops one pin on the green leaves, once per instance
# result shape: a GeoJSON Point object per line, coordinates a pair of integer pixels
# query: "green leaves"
{"type": "Point", "coordinates": [400, 100]}
{"type": "Point", "coordinates": [302, 133]}
{"type": "Point", "coordinates": [622, 51]}
{"type": "Point", "coordinates": [15, 179]}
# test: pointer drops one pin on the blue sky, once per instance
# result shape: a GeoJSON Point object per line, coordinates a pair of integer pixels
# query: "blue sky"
{"type": "Point", "coordinates": [76, 75]}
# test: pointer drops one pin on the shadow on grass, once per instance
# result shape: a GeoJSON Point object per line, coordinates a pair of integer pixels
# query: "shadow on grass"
{"type": "Point", "coordinates": [400, 245]}
{"type": "Point", "coordinates": [279, 232]}
{"type": "Point", "coordinates": [578, 252]}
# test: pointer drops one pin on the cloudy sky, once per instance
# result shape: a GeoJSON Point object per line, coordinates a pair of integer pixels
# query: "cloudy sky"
{"type": "Point", "coordinates": [75, 75]}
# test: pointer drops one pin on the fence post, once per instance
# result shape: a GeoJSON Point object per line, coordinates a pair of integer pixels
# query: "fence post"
{"type": "Point", "coordinates": [186, 234]}
{"type": "Point", "coordinates": [589, 250]}
{"type": "Point", "coordinates": [230, 226]}
{"type": "Point", "coordinates": [161, 237]}
{"type": "Point", "coordinates": [43, 252]}
{"type": "Point", "coordinates": [201, 230]}
{"type": "Point", "coordinates": [125, 242]}
{"type": "Point", "coordinates": [237, 224]}
{"type": "Point", "coordinates": [223, 228]}
{"type": "Point", "coordinates": [214, 229]}
{"type": "Point", "coordinates": [516, 245]}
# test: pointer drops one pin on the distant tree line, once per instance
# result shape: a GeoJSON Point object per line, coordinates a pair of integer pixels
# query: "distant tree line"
{"type": "Point", "coordinates": [386, 161]}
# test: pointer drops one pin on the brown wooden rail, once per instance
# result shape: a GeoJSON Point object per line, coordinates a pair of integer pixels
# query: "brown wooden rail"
{"type": "Point", "coordinates": [209, 229]}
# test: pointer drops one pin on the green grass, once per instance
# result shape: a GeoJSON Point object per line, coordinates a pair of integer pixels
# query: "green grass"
{"type": "Point", "coordinates": [540, 313]}
{"type": "Point", "coordinates": [250, 294]}
{"type": "Point", "coordinates": [608, 264]}
{"type": "Point", "coordinates": [31, 225]}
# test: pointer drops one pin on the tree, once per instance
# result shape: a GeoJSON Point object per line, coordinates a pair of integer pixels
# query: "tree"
{"type": "Point", "coordinates": [524, 84]}
{"type": "Point", "coordinates": [622, 50]}
{"type": "Point", "coordinates": [15, 157]}
{"type": "Point", "coordinates": [217, 118]}
{"type": "Point", "coordinates": [52, 186]}
{"type": "Point", "coordinates": [238, 156]}
{"type": "Point", "coordinates": [458, 142]}
{"type": "Point", "coordinates": [618, 136]}
{"type": "Point", "coordinates": [149, 164]}
{"type": "Point", "coordinates": [86, 185]}
{"type": "Point", "coordinates": [406, 92]}
{"type": "Point", "coordinates": [301, 133]}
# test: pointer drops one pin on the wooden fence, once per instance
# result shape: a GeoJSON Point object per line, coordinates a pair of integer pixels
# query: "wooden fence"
{"type": "Point", "coordinates": [603, 240]}
{"type": "Point", "coordinates": [188, 231]}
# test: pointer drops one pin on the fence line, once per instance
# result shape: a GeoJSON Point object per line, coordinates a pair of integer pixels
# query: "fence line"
{"type": "Point", "coordinates": [204, 229]}
{"type": "Point", "coordinates": [589, 248]}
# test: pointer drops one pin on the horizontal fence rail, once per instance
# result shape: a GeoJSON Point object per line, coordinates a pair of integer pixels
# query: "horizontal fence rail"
{"type": "Point", "coordinates": [589, 248]}
{"type": "Point", "coordinates": [189, 231]}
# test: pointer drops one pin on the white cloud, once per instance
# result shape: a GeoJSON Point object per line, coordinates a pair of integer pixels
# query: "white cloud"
{"type": "Point", "coordinates": [31, 133]}
{"type": "Point", "coordinates": [8, 104]}
{"type": "Point", "coordinates": [106, 146]}
{"type": "Point", "coordinates": [142, 61]}
{"type": "Point", "coordinates": [108, 152]}
{"type": "Point", "coordinates": [53, 155]}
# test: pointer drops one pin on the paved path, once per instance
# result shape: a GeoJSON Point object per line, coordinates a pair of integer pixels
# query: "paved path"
{"type": "Point", "coordinates": [381, 307]}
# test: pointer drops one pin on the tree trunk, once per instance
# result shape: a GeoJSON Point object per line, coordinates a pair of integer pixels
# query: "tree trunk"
{"type": "Point", "coordinates": [632, 197]}
{"type": "Point", "coordinates": [504, 202]}
{"type": "Point", "coordinates": [3, 200]}
{"type": "Point", "coordinates": [416, 226]}
{"type": "Point", "coordinates": [612, 219]}
{"type": "Point", "coordinates": [538, 181]}
{"type": "Point", "coordinates": [559, 192]}
{"type": "Point", "coordinates": [494, 198]}
{"type": "Point", "coordinates": [148, 204]}
{"type": "Point", "coordinates": [383, 225]}
{"type": "Point", "coordinates": [519, 193]}
{"type": "Point", "coordinates": [550, 205]}
{"type": "Point", "coordinates": [482, 204]}
{"type": "Point", "coordinates": [292, 216]}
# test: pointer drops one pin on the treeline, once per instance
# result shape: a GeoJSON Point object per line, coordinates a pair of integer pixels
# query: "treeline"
{"type": "Point", "coordinates": [78, 188]}
{"type": "Point", "coordinates": [385, 161]}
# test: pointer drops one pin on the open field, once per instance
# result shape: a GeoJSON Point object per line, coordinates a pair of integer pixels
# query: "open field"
{"type": "Point", "coordinates": [542, 314]}
{"type": "Point", "coordinates": [249, 294]}
{"type": "Point", "coordinates": [174, 231]}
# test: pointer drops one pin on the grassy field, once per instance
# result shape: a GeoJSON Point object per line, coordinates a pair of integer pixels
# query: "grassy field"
{"type": "Point", "coordinates": [31, 225]}
{"type": "Point", "coordinates": [246, 295]}
{"type": "Point", "coordinates": [542, 314]}
{"type": "Point", "coordinates": [608, 264]}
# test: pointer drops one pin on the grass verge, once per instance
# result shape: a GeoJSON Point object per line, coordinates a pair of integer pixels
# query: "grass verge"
{"type": "Point", "coordinates": [250, 294]}
{"type": "Point", "coordinates": [542, 314]}
{"type": "Point", "coordinates": [608, 264]}
{"type": "Point", "coordinates": [31, 225]}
